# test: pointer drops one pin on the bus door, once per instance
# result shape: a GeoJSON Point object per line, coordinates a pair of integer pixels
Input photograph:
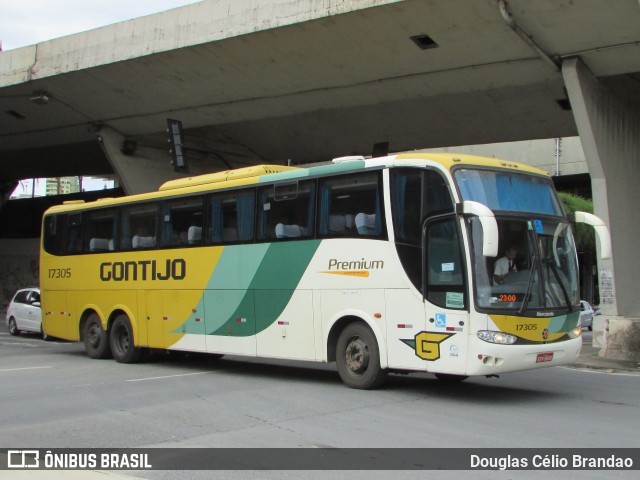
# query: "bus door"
{"type": "Point", "coordinates": [445, 341]}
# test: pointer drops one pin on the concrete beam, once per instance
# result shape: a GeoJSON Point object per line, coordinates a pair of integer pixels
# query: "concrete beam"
{"type": "Point", "coordinates": [143, 170]}
{"type": "Point", "coordinates": [194, 24]}
{"type": "Point", "coordinates": [149, 164]}
{"type": "Point", "coordinates": [608, 122]}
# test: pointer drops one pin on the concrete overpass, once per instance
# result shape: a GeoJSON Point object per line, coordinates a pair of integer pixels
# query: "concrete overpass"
{"type": "Point", "coordinates": [307, 80]}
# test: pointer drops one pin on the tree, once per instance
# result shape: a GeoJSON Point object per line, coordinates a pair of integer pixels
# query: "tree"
{"type": "Point", "coordinates": [584, 234]}
{"type": "Point", "coordinates": [585, 242]}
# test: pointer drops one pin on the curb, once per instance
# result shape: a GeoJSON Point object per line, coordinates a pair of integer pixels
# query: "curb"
{"type": "Point", "coordinates": [589, 359]}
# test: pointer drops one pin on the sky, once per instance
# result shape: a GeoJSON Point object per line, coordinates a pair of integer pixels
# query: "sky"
{"type": "Point", "coordinates": [26, 22]}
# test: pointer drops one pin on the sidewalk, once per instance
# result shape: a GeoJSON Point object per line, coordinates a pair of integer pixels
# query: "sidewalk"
{"type": "Point", "coordinates": [589, 359]}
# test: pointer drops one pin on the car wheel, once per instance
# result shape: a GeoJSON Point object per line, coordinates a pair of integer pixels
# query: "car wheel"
{"type": "Point", "coordinates": [122, 343]}
{"type": "Point", "coordinates": [13, 327]}
{"type": "Point", "coordinates": [358, 357]}
{"type": "Point", "coordinates": [96, 340]}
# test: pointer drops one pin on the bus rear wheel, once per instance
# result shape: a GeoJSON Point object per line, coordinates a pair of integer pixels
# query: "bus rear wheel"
{"type": "Point", "coordinates": [122, 346]}
{"type": "Point", "coordinates": [96, 340]}
{"type": "Point", "coordinates": [358, 357]}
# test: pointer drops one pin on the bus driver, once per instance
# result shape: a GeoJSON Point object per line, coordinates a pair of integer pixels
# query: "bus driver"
{"type": "Point", "coordinates": [505, 266]}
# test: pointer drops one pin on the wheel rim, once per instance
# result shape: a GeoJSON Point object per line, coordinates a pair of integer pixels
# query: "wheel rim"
{"type": "Point", "coordinates": [94, 335]}
{"type": "Point", "coordinates": [122, 339]}
{"type": "Point", "coordinates": [357, 355]}
{"type": "Point", "coordinates": [12, 326]}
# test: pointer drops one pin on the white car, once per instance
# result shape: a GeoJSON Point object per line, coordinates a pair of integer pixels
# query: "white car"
{"type": "Point", "coordinates": [24, 313]}
{"type": "Point", "coordinates": [586, 315]}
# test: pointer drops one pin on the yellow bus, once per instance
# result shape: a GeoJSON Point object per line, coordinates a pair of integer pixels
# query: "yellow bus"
{"type": "Point", "coordinates": [381, 265]}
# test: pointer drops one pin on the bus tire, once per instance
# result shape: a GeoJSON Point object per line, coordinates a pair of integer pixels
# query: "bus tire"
{"type": "Point", "coordinates": [45, 337]}
{"type": "Point", "coordinates": [121, 339]}
{"type": "Point", "coordinates": [358, 357]}
{"type": "Point", "coordinates": [96, 340]}
{"type": "Point", "coordinates": [13, 327]}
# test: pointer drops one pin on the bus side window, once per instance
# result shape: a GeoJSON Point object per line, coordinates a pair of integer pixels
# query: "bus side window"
{"type": "Point", "coordinates": [55, 227]}
{"type": "Point", "coordinates": [138, 228]}
{"type": "Point", "coordinates": [182, 222]}
{"type": "Point", "coordinates": [351, 206]}
{"type": "Point", "coordinates": [286, 211]}
{"type": "Point", "coordinates": [74, 233]}
{"type": "Point", "coordinates": [101, 228]}
{"type": "Point", "coordinates": [445, 270]}
{"type": "Point", "coordinates": [231, 217]}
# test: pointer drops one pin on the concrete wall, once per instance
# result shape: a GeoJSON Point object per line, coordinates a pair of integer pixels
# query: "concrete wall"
{"type": "Point", "coordinates": [20, 266]}
{"type": "Point", "coordinates": [537, 153]}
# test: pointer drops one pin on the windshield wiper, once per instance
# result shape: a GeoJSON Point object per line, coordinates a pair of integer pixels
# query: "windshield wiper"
{"type": "Point", "coordinates": [554, 269]}
{"type": "Point", "coordinates": [535, 264]}
{"type": "Point", "coordinates": [527, 295]}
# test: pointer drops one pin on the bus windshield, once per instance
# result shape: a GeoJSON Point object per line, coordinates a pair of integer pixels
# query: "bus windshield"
{"type": "Point", "coordinates": [540, 273]}
{"type": "Point", "coordinates": [508, 191]}
{"type": "Point", "coordinates": [536, 268]}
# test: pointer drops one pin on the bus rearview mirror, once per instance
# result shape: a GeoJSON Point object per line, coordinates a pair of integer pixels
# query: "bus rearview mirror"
{"type": "Point", "coordinates": [602, 232]}
{"type": "Point", "coordinates": [489, 226]}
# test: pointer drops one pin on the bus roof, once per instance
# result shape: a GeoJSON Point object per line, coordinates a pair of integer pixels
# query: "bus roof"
{"type": "Point", "coordinates": [449, 160]}
{"type": "Point", "coordinates": [227, 175]}
{"type": "Point", "coordinates": [261, 174]}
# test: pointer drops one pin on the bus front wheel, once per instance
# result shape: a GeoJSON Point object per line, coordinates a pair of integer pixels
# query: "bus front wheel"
{"type": "Point", "coordinates": [96, 340]}
{"type": "Point", "coordinates": [358, 357]}
{"type": "Point", "coordinates": [122, 346]}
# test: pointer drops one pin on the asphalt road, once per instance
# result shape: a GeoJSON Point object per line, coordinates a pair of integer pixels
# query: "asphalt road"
{"type": "Point", "coordinates": [53, 396]}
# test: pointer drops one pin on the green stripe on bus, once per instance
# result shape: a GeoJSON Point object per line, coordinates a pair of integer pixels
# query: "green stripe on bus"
{"type": "Point", "coordinates": [564, 323]}
{"type": "Point", "coordinates": [258, 287]}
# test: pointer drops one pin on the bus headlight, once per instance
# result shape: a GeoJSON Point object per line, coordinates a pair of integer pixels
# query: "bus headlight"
{"type": "Point", "coordinates": [576, 332]}
{"type": "Point", "coordinates": [497, 337]}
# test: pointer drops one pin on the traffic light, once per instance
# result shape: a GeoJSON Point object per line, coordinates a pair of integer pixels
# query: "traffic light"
{"type": "Point", "coordinates": [174, 129]}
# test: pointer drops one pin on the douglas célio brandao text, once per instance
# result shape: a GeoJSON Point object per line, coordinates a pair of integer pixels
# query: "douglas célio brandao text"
{"type": "Point", "coordinates": [550, 461]}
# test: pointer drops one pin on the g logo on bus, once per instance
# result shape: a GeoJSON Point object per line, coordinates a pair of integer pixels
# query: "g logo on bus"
{"type": "Point", "coordinates": [427, 344]}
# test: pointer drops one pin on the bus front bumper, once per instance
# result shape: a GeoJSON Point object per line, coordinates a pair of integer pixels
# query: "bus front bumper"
{"type": "Point", "coordinates": [490, 359]}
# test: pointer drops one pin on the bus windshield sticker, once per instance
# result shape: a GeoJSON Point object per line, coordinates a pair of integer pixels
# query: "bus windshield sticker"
{"type": "Point", "coordinates": [455, 300]}
{"type": "Point", "coordinates": [538, 225]}
{"type": "Point", "coordinates": [448, 267]}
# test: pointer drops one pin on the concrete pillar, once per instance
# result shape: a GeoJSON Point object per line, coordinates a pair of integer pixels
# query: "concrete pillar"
{"type": "Point", "coordinates": [608, 121]}
{"type": "Point", "coordinates": [140, 171]}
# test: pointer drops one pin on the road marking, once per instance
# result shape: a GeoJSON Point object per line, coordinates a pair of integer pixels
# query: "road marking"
{"type": "Point", "coordinates": [169, 376]}
{"type": "Point", "coordinates": [24, 368]}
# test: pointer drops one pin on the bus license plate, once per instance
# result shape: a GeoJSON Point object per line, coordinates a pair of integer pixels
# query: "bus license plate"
{"type": "Point", "coordinates": [544, 357]}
